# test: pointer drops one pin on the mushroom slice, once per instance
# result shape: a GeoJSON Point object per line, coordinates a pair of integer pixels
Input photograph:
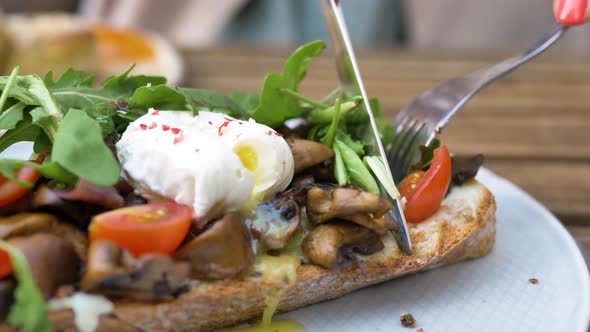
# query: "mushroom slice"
{"type": "Point", "coordinates": [308, 153]}
{"type": "Point", "coordinates": [22, 224]}
{"type": "Point", "coordinates": [221, 251]}
{"type": "Point", "coordinates": [276, 220]}
{"type": "Point", "coordinates": [53, 261]}
{"type": "Point", "coordinates": [333, 245]}
{"type": "Point", "coordinates": [380, 225]}
{"type": "Point", "coordinates": [115, 272]}
{"type": "Point", "coordinates": [351, 204]}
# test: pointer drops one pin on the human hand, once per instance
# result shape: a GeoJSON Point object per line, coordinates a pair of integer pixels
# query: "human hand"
{"type": "Point", "coordinates": [571, 12]}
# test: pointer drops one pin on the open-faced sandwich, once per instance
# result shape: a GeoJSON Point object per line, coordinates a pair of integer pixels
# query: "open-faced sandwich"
{"type": "Point", "coordinates": [146, 207]}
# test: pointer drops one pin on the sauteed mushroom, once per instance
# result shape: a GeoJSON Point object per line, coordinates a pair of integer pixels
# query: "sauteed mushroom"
{"type": "Point", "coordinates": [30, 223]}
{"type": "Point", "coordinates": [333, 245]}
{"type": "Point", "coordinates": [275, 221]}
{"type": "Point", "coordinates": [114, 271]}
{"type": "Point", "coordinates": [308, 153]}
{"type": "Point", "coordinates": [52, 260]}
{"type": "Point", "coordinates": [221, 251]}
{"type": "Point", "coordinates": [351, 204]}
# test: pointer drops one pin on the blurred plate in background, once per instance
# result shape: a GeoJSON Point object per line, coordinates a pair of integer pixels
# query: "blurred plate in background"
{"type": "Point", "coordinates": [42, 42]}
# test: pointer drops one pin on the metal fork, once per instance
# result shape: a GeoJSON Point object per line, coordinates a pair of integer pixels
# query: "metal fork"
{"type": "Point", "coordinates": [421, 121]}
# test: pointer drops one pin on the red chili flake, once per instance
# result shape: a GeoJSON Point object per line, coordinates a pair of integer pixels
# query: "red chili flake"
{"type": "Point", "coordinates": [143, 126]}
{"type": "Point", "coordinates": [175, 131]}
{"type": "Point", "coordinates": [178, 138]}
{"type": "Point", "coordinates": [228, 119]}
{"type": "Point", "coordinates": [112, 105]}
{"type": "Point", "coordinates": [203, 101]}
{"type": "Point", "coordinates": [278, 134]}
{"type": "Point", "coordinates": [156, 112]}
{"type": "Point", "coordinates": [153, 125]}
{"type": "Point", "coordinates": [165, 127]}
{"type": "Point", "coordinates": [220, 129]}
{"type": "Point", "coordinates": [534, 281]}
{"type": "Point", "coordinates": [241, 123]}
{"type": "Point", "coordinates": [209, 122]}
{"type": "Point", "coordinates": [197, 150]}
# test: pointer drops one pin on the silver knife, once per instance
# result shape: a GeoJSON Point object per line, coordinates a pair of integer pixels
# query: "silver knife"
{"type": "Point", "coordinates": [352, 84]}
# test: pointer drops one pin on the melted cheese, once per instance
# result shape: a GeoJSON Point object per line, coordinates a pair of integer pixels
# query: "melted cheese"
{"type": "Point", "coordinates": [282, 271]}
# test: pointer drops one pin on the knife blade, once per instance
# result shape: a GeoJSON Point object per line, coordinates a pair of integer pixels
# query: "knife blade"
{"type": "Point", "coordinates": [352, 85]}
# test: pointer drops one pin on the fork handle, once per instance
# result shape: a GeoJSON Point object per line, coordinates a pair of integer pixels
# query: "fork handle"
{"type": "Point", "coordinates": [479, 79]}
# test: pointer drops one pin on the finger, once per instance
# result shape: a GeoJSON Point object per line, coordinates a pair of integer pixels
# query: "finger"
{"type": "Point", "coordinates": [571, 12]}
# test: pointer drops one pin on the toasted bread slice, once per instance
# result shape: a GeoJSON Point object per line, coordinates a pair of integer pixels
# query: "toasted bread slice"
{"type": "Point", "coordinates": [463, 228]}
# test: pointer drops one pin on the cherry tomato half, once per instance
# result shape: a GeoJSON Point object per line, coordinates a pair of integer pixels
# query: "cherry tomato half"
{"type": "Point", "coordinates": [425, 191]}
{"type": "Point", "coordinates": [11, 191]}
{"type": "Point", "coordinates": [5, 264]}
{"type": "Point", "coordinates": [142, 229]}
{"type": "Point", "coordinates": [410, 183]}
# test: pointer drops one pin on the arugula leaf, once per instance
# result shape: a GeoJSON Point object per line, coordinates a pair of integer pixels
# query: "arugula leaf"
{"type": "Point", "coordinates": [296, 66]}
{"type": "Point", "coordinates": [275, 107]}
{"type": "Point", "coordinates": [73, 89]}
{"type": "Point", "coordinates": [159, 97]}
{"type": "Point", "coordinates": [125, 85]}
{"type": "Point", "coordinates": [103, 114]}
{"type": "Point", "coordinates": [357, 146]}
{"type": "Point", "coordinates": [17, 90]}
{"type": "Point", "coordinates": [246, 100]}
{"type": "Point", "coordinates": [12, 116]}
{"type": "Point", "coordinates": [7, 86]}
{"type": "Point", "coordinates": [29, 311]}
{"type": "Point", "coordinates": [25, 131]}
{"type": "Point", "coordinates": [49, 169]}
{"type": "Point", "coordinates": [69, 78]}
{"type": "Point", "coordinates": [216, 102]}
{"type": "Point", "coordinates": [80, 149]}
{"type": "Point", "coordinates": [42, 143]}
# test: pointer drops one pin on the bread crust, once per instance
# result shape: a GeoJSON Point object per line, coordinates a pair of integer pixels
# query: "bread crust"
{"type": "Point", "coordinates": [463, 228]}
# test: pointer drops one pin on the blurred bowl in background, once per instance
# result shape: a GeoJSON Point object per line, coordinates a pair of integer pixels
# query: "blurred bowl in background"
{"type": "Point", "coordinates": [42, 42]}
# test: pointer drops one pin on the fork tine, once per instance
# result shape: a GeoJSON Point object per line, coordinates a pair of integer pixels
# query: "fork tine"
{"type": "Point", "coordinates": [400, 138]}
{"type": "Point", "coordinates": [408, 149]}
{"type": "Point", "coordinates": [420, 139]}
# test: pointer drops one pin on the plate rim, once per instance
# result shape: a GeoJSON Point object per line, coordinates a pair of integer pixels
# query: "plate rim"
{"type": "Point", "coordinates": [581, 268]}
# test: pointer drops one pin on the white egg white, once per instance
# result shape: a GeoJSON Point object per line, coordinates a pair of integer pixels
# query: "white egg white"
{"type": "Point", "coordinates": [211, 162]}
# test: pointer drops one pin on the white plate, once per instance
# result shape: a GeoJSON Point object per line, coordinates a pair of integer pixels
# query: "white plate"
{"type": "Point", "coordinates": [492, 293]}
{"type": "Point", "coordinates": [488, 294]}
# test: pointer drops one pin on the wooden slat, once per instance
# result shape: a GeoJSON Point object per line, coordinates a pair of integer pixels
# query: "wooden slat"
{"type": "Point", "coordinates": [561, 186]}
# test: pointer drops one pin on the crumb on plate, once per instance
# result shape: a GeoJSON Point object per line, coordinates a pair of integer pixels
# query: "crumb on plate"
{"type": "Point", "coordinates": [407, 319]}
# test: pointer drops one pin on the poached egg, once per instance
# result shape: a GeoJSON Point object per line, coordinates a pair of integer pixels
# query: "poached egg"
{"type": "Point", "coordinates": [211, 162]}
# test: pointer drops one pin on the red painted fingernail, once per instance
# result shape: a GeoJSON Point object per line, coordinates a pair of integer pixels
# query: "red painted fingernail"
{"type": "Point", "coordinates": [571, 12]}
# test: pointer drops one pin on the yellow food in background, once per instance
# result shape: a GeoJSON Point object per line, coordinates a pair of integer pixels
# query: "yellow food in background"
{"type": "Point", "coordinates": [53, 41]}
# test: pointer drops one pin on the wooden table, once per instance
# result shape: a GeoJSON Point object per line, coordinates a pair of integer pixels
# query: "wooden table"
{"type": "Point", "coordinates": [533, 126]}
